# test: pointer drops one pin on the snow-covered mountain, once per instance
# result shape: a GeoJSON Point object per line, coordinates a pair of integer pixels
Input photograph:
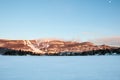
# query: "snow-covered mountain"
{"type": "Point", "coordinates": [50, 46]}
{"type": "Point", "coordinates": [111, 41]}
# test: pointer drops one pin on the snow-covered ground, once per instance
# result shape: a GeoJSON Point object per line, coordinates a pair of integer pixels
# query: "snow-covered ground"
{"type": "Point", "coordinates": [60, 68]}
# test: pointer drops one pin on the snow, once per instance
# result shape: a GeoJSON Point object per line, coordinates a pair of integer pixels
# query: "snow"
{"type": "Point", "coordinates": [59, 68]}
{"type": "Point", "coordinates": [32, 46]}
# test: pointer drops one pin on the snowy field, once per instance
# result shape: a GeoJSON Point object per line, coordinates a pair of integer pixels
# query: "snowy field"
{"type": "Point", "coordinates": [59, 67]}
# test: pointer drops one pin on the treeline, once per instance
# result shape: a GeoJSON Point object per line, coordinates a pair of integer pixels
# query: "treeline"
{"type": "Point", "coordinates": [17, 52]}
{"type": "Point", "coordinates": [86, 53]}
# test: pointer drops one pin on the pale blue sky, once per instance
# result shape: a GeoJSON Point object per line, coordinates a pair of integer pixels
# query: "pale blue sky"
{"type": "Point", "coordinates": [67, 19]}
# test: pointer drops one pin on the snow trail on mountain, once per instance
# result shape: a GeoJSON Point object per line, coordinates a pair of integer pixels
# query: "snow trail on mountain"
{"type": "Point", "coordinates": [43, 43]}
{"type": "Point", "coordinates": [24, 42]}
{"type": "Point", "coordinates": [37, 42]}
{"type": "Point", "coordinates": [28, 43]}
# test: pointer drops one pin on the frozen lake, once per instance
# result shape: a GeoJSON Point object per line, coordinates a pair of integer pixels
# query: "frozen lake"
{"type": "Point", "coordinates": [59, 67]}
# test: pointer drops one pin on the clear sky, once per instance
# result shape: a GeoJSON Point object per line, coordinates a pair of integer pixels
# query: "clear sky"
{"type": "Point", "coordinates": [66, 19]}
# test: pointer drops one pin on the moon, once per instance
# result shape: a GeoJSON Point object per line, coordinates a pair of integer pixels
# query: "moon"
{"type": "Point", "coordinates": [109, 1]}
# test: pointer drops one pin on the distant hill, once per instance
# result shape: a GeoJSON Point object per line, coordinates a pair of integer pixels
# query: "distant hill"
{"type": "Point", "coordinates": [111, 41]}
{"type": "Point", "coordinates": [53, 47]}
{"type": "Point", "coordinates": [50, 46]}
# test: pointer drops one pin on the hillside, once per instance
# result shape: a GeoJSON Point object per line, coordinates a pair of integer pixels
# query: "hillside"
{"type": "Point", "coordinates": [51, 46]}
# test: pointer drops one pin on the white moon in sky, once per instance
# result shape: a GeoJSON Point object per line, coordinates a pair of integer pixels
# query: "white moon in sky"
{"type": "Point", "coordinates": [109, 1]}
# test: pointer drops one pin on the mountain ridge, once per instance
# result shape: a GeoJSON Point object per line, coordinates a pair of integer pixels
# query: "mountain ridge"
{"type": "Point", "coordinates": [51, 46]}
